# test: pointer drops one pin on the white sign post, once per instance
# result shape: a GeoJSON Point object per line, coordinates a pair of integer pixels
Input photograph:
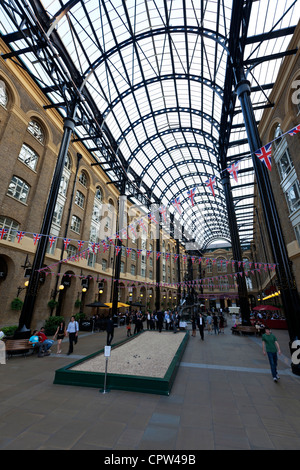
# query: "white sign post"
{"type": "Point", "coordinates": [107, 350]}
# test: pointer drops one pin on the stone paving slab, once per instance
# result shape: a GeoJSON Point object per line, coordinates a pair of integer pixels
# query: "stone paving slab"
{"type": "Point", "coordinates": [223, 398]}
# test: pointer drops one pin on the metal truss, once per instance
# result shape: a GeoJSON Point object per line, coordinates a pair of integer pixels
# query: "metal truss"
{"type": "Point", "coordinates": [154, 84]}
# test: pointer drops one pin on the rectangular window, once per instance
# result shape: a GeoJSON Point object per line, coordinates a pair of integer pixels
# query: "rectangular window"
{"type": "Point", "coordinates": [79, 199]}
{"type": "Point", "coordinates": [57, 215]}
{"type": "Point", "coordinates": [104, 264]}
{"type": "Point", "coordinates": [75, 224]}
{"type": "Point", "coordinates": [18, 189]}
{"type": "Point", "coordinates": [122, 268]}
{"type": "Point", "coordinates": [297, 232]}
{"type": "Point", "coordinates": [293, 196]}
{"type": "Point", "coordinates": [132, 270]}
{"type": "Point", "coordinates": [285, 165]}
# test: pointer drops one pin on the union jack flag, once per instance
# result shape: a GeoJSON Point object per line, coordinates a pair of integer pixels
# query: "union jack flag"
{"type": "Point", "coordinates": [211, 184]}
{"type": "Point", "coordinates": [163, 212]}
{"type": "Point", "coordinates": [295, 131]}
{"type": "Point", "coordinates": [128, 251]}
{"type": "Point", "coordinates": [132, 228]}
{"type": "Point", "coordinates": [105, 246]}
{"type": "Point", "coordinates": [20, 235]}
{"type": "Point", "coordinates": [3, 232]}
{"type": "Point", "coordinates": [36, 238]}
{"type": "Point", "coordinates": [152, 217]}
{"type": "Point", "coordinates": [66, 242]}
{"type": "Point", "coordinates": [139, 252]}
{"type": "Point", "coordinates": [176, 203]}
{"type": "Point", "coordinates": [191, 195]}
{"type": "Point", "coordinates": [51, 241]}
{"type": "Point", "coordinates": [158, 254]}
{"type": "Point", "coordinates": [80, 244]}
{"type": "Point", "coordinates": [142, 224]}
{"type": "Point", "coordinates": [264, 154]}
{"type": "Point", "coordinates": [148, 253]}
{"type": "Point", "coordinates": [233, 170]}
{"type": "Point", "coordinates": [118, 249]}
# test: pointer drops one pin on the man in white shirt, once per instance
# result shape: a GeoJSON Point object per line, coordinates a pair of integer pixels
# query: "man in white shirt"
{"type": "Point", "coordinates": [72, 332]}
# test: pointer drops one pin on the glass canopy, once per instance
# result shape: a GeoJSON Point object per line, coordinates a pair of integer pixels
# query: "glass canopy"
{"type": "Point", "coordinates": [152, 74]}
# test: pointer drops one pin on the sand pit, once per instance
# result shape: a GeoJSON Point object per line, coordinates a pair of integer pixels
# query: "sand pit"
{"type": "Point", "coordinates": [149, 354]}
{"type": "Point", "coordinates": [147, 363]}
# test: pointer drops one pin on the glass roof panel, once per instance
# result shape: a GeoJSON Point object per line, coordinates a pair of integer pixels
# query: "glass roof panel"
{"type": "Point", "coordinates": [155, 70]}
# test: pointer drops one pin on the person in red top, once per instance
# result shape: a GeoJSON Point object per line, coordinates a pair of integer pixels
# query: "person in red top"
{"type": "Point", "coordinates": [47, 343]}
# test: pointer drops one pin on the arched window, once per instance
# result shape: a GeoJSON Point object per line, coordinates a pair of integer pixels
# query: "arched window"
{"type": "Point", "coordinates": [98, 194]}
{"type": "Point", "coordinates": [83, 179]}
{"type": "Point", "coordinates": [3, 94]}
{"type": "Point", "coordinates": [28, 156]}
{"type": "Point", "coordinates": [68, 162]}
{"type": "Point", "coordinates": [18, 189]}
{"type": "Point", "coordinates": [36, 130]}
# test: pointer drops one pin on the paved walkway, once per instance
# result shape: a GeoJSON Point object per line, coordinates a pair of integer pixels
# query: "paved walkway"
{"type": "Point", "coordinates": [223, 398]}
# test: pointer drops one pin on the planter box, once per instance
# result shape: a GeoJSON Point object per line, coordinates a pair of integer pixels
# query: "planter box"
{"type": "Point", "coordinates": [137, 383]}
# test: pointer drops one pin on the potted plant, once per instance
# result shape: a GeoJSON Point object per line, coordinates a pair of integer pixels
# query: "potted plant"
{"type": "Point", "coordinates": [51, 325]}
{"type": "Point", "coordinates": [52, 304]}
{"type": "Point", "coordinates": [16, 304]}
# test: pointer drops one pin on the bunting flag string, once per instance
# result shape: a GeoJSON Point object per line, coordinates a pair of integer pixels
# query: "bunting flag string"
{"type": "Point", "coordinates": [208, 282]}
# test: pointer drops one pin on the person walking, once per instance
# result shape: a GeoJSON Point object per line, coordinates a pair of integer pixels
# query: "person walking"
{"type": "Point", "coordinates": [215, 323]}
{"type": "Point", "coordinates": [72, 332]}
{"type": "Point", "coordinates": [59, 335]}
{"type": "Point", "coordinates": [270, 348]}
{"type": "Point", "coordinates": [221, 323]}
{"type": "Point", "coordinates": [194, 328]}
{"type": "Point", "coordinates": [209, 323]}
{"type": "Point", "coordinates": [110, 328]}
{"type": "Point", "coordinates": [201, 324]}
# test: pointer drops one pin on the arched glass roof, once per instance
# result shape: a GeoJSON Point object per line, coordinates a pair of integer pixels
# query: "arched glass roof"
{"type": "Point", "coordinates": [152, 77]}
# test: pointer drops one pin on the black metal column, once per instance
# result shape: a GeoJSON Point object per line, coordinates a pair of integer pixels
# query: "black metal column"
{"type": "Point", "coordinates": [121, 225]}
{"type": "Point", "coordinates": [236, 251]}
{"type": "Point", "coordinates": [289, 292]}
{"type": "Point", "coordinates": [31, 294]}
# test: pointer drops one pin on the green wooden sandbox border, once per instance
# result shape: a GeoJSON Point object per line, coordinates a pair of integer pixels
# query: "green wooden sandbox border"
{"type": "Point", "coordinates": [133, 383]}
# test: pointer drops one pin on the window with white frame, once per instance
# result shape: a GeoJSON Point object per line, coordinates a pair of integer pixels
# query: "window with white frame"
{"type": "Point", "coordinates": [284, 164]}
{"type": "Point", "coordinates": [3, 94]}
{"type": "Point", "coordinates": [297, 233]}
{"type": "Point", "coordinates": [133, 270]}
{"type": "Point", "coordinates": [18, 189]}
{"type": "Point", "coordinates": [57, 215]}
{"type": "Point", "coordinates": [36, 130]}
{"type": "Point", "coordinates": [104, 264]}
{"type": "Point", "coordinates": [28, 156]}
{"type": "Point", "coordinates": [75, 224]}
{"type": "Point", "coordinates": [83, 179]}
{"type": "Point", "coordinates": [11, 226]}
{"type": "Point", "coordinates": [71, 251]}
{"type": "Point", "coordinates": [79, 199]}
{"type": "Point", "coordinates": [122, 267]}
{"type": "Point", "coordinates": [293, 196]}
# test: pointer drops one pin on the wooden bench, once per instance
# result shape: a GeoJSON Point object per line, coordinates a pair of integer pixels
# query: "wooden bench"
{"type": "Point", "coordinates": [17, 345]}
{"type": "Point", "coordinates": [243, 329]}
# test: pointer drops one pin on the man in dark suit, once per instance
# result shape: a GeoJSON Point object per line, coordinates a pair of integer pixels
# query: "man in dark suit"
{"type": "Point", "coordinates": [110, 330]}
{"type": "Point", "coordinates": [201, 325]}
